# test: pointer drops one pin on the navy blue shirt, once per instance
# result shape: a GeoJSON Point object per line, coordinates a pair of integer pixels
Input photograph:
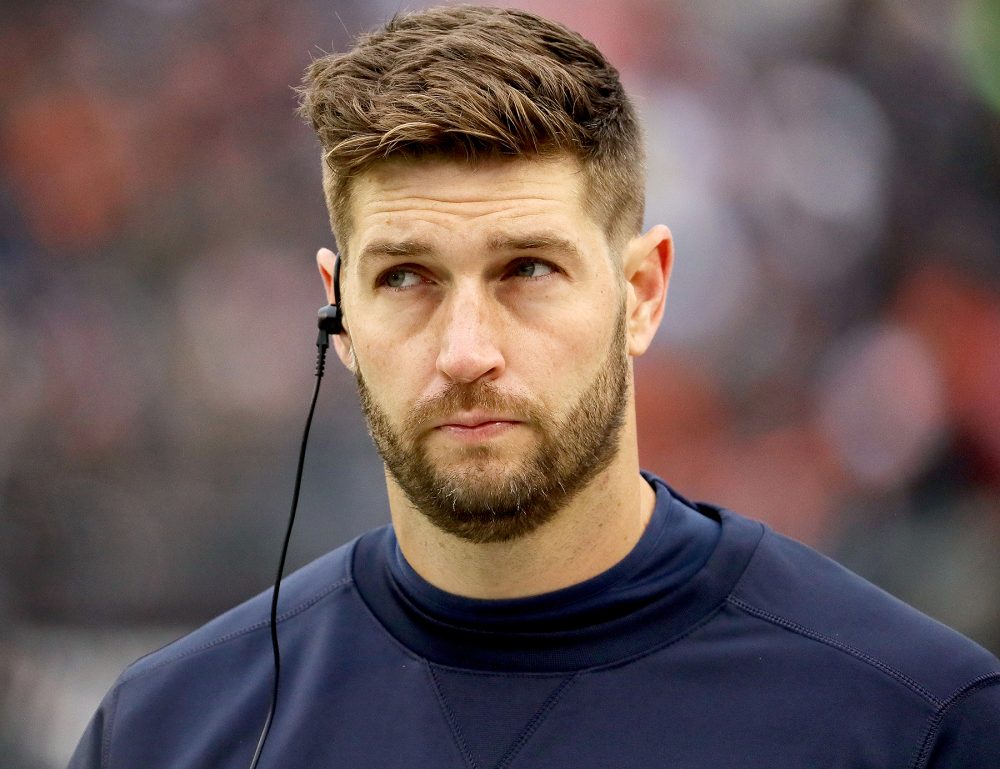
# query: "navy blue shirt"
{"type": "Point", "coordinates": [714, 643]}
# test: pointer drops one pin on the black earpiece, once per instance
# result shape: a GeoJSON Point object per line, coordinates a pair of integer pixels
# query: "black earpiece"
{"type": "Point", "coordinates": [331, 317]}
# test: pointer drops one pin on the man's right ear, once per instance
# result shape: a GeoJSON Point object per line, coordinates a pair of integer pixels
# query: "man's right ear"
{"type": "Point", "coordinates": [326, 260]}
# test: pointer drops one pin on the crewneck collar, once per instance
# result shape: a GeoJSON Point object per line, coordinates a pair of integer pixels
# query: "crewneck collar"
{"type": "Point", "coordinates": [681, 568]}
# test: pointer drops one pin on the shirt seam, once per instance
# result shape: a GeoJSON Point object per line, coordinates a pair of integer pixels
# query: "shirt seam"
{"type": "Point", "coordinates": [762, 532]}
{"type": "Point", "coordinates": [523, 735]}
{"type": "Point", "coordinates": [130, 676]}
{"type": "Point", "coordinates": [934, 722]}
{"type": "Point", "coordinates": [456, 732]}
{"type": "Point", "coordinates": [868, 659]}
{"type": "Point", "coordinates": [109, 728]}
{"type": "Point", "coordinates": [536, 721]}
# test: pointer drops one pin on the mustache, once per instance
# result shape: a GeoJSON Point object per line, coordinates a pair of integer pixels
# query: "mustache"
{"type": "Point", "coordinates": [478, 395]}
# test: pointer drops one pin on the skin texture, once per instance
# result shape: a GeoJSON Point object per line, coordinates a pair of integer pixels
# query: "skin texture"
{"type": "Point", "coordinates": [460, 281]}
{"type": "Point", "coordinates": [481, 495]}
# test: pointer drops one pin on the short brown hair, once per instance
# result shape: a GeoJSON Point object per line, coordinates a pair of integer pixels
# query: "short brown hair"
{"type": "Point", "coordinates": [477, 83]}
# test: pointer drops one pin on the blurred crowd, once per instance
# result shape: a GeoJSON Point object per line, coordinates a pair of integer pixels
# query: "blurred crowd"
{"type": "Point", "coordinates": [829, 360]}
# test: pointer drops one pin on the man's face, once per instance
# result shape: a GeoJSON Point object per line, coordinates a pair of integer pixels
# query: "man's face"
{"type": "Point", "coordinates": [487, 321]}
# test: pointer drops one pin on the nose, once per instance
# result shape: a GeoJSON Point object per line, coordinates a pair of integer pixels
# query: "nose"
{"type": "Point", "coordinates": [469, 345]}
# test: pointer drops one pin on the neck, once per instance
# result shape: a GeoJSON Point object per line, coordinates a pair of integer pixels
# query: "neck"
{"type": "Point", "coordinates": [593, 532]}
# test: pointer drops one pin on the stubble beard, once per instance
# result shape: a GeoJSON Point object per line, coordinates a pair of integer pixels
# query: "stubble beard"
{"type": "Point", "coordinates": [483, 497]}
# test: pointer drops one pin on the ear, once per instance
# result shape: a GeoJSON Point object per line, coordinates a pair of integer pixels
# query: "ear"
{"type": "Point", "coordinates": [647, 262]}
{"type": "Point", "coordinates": [326, 260]}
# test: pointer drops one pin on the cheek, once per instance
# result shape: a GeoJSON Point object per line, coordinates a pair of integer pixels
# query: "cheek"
{"type": "Point", "coordinates": [560, 362]}
{"type": "Point", "coordinates": [394, 371]}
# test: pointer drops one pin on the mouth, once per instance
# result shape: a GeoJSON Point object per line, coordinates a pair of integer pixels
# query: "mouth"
{"type": "Point", "coordinates": [476, 426]}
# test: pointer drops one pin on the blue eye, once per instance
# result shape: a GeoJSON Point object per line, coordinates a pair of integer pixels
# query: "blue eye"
{"type": "Point", "coordinates": [529, 268]}
{"type": "Point", "coordinates": [400, 278]}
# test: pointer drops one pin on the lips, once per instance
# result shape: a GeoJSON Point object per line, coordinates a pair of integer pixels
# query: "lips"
{"type": "Point", "coordinates": [475, 419]}
{"type": "Point", "coordinates": [474, 427]}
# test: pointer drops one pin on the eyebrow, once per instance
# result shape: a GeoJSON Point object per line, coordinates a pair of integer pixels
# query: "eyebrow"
{"type": "Point", "coordinates": [395, 248]}
{"type": "Point", "coordinates": [541, 241]}
{"type": "Point", "coordinates": [532, 242]}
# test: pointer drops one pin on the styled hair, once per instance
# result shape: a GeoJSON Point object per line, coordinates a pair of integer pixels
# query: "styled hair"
{"type": "Point", "coordinates": [477, 83]}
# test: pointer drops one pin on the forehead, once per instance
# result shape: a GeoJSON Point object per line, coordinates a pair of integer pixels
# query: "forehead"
{"type": "Point", "coordinates": [439, 198]}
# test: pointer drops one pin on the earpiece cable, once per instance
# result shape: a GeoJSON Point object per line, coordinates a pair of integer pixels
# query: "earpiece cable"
{"type": "Point", "coordinates": [322, 343]}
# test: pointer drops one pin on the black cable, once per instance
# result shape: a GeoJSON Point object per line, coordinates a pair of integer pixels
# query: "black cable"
{"type": "Point", "coordinates": [322, 343]}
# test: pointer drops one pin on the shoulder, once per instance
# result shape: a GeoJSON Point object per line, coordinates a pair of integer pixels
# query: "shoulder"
{"type": "Point", "coordinates": [811, 599]}
{"type": "Point", "coordinates": [212, 686]}
{"type": "Point", "coordinates": [300, 591]}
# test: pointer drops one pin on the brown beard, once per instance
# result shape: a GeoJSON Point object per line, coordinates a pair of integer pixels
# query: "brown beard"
{"type": "Point", "coordinates": [484, 501]}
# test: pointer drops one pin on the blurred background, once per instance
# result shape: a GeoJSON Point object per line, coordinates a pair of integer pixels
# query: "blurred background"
{"type": "Point", "coordinates": [829, 360]}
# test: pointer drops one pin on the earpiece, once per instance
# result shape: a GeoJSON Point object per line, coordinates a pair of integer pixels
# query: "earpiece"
{"type": "Point", "coordinates": [331, 318]}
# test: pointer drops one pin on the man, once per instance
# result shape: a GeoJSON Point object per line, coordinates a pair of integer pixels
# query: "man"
{"type": "Point", "coordinates": [537, 601]}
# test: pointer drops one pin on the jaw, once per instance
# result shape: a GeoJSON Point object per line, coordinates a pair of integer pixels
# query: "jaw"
{"type": "Point", "coordinates": [591, 533]}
